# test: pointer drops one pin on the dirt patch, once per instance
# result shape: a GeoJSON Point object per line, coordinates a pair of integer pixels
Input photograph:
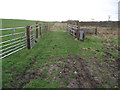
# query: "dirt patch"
{"type": "Point", "coordinates": [81, 78]}
{"type": "Point", "coordinates": [105, 72]}
{"type": "Point", "coordinates": [108, 55]}
{"type": "Point", "coordinates": [113, 47]}
{"type": "Point", "coordinates": [80, 73]}
{"type": "Point", "coordinates": [73, 72]}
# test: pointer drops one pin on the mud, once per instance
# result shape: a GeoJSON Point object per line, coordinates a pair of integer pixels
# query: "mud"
{"type": "Point", "coordinates": [88, 73]}
{"type": "Point", "coordinates": [83, 78]}
{"type": "Point", "coordinates": [77, 73]}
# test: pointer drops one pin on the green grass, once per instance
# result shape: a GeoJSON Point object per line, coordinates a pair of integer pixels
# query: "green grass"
{"type": "Point", "coordinates": [72, 74]}
{"type": "Point", "coordinates": [12, 23]}
{"type": "Point", "coordinates": [20, 62]}
{"type": "Point", "coordinates": [42, 83]}
{"type": "Point", "coordinates": [44, 52]}
{"type": "Point", "coordinates": [53, 44]}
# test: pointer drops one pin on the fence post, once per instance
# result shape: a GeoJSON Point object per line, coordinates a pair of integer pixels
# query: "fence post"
{"type": "Point", "coordinates": [28, 36]}
{"type": "Point", "coordinates": [77, 31]}
{"type": "Point", "coordinates": [77, 34]}
{"type": "Point", "coordinates": [36, 30]}
{"type": "Point", "coordinates": [40, 29]}
{"type": "Point", "coordinates": [96, 30]}
{"type": "Point", "coordinates": [67, 26]}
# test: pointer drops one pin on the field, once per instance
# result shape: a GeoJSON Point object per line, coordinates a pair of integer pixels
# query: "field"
{"type": "Point", "coordinates": [59, 61]}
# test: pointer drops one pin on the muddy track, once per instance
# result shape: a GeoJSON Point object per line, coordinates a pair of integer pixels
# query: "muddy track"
{"type": "Point", "coordinates": [88, 77]}
{"type": "Point", "coordinates": [83, 77]}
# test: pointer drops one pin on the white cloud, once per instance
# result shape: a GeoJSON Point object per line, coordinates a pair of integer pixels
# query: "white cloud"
{"type": "Point", "coordinates": [52, 10]}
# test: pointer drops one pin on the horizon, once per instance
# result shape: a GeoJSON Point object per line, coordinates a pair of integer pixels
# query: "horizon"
{"type": "Point", "coordinates": [56, 20]}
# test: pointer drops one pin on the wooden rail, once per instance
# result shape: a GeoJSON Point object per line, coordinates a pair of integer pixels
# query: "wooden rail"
{"type": "Point", "coordinates": [73, 27]}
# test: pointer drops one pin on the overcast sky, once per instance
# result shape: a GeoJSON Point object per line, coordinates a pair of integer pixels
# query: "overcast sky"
{"type": "Point", "coordinates": [59, 10]}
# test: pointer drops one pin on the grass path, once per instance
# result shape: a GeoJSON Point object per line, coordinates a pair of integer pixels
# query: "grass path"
{"type": "Point", "coordinates": [59, 61]}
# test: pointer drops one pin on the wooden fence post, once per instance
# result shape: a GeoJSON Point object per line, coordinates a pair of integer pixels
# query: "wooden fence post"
{"type": "Point", "coordinates": [77, 34]}
{"type": "Point", "coordinates": [40, 29]}
{"type": "Point", "coordinates": [36, 30]}
{"type": "Point", "coordinates": [28, 36]}
{"type": "Point", "coordinates": [67, 26]}
{"type": "Point", "coordinates": [77, 31]}
{"type": "Point", "coordinates": [96, 30]}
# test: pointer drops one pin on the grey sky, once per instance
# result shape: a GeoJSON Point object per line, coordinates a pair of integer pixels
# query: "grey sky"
{"type": "Point", "coordinates": [59, 10]}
